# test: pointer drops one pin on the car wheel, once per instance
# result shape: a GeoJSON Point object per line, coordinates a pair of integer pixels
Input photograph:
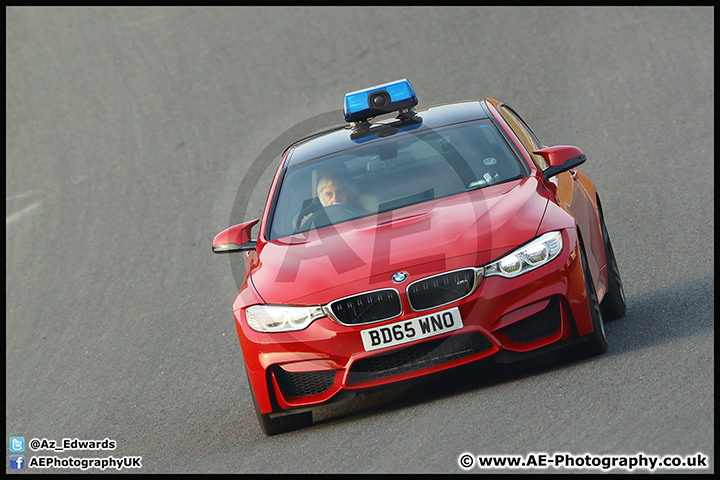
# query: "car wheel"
{"type": "Point", "coordinates": [613, 305]}
{"type": "Point", "coordinates": [273, 426]}
{"type": "Point", "coordinates": [596, 342]}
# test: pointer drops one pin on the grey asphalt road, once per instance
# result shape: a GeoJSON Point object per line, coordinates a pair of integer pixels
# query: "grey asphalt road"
{"type": "Point", "coordinates": [130, 130]}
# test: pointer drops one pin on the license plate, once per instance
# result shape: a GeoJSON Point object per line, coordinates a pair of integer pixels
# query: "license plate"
{"type": "Point", "coordinates": [410, 330]}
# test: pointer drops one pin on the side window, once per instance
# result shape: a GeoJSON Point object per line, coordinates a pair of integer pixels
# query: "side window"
{"type": "Point", "coordinates": [526, 136]}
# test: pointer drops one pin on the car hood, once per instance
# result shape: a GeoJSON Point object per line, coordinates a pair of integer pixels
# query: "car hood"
{"type": "Point", "coordinates": [468, 229]}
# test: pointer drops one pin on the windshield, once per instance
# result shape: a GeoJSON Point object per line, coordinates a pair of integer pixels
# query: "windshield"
{"type": "Point", "coordinates": [393, 173]}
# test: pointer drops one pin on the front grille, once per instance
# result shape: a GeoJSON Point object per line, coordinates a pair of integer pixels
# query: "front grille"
{"type": "Point", "coordinates": [367, 307]}
{"type": "Point", "coordinates": [423, 355]}
{"type": "Point", "coordinates": [545, 322]}
{"type": "Point", "coordinates": [302, 384]}
{"type": "Point", "coordinates": [441, 289]}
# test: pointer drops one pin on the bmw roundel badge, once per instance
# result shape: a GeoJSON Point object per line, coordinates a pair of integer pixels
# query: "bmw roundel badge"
{"type": "Point", "coordinates": [399, 277]}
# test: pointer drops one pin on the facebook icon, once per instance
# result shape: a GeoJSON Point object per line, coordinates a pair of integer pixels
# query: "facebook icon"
{"type": "Point", "coordinates": [17, 462]}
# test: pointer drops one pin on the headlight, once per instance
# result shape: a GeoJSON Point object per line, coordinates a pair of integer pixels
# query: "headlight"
{"type": "Point", "coordinates": [528, 257]}
{"type": "Point", "coordinates": [278, 318]}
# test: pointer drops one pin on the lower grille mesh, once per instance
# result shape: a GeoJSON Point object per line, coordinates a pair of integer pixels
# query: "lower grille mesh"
{"type": "Point", "coordinates": [423, 355]}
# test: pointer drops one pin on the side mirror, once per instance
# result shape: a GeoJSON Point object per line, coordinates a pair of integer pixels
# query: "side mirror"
{"type": "Point", "coordinates": [235, 238]}
{"type": "Point", "coordinates": [561, 158]}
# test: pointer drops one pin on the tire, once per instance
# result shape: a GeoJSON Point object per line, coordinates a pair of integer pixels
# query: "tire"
{"type": "Point", "coordinates": [273, 426]}
{"type": "Point", "coordinates": [613, 305]}
{"type": "Point", "coordinates": [596, 342]}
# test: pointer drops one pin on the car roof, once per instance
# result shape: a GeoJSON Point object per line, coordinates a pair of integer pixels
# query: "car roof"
{"type": "Point", "coordinates": [338, 138]}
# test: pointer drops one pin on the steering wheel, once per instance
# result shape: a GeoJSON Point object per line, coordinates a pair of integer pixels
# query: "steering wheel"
{"type": "Point", "coordinates": [339, 212]}
{"type": "Point", "coordinates": [333, 214]}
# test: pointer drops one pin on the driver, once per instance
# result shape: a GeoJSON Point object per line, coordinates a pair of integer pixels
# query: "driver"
{"type": "Point", "coordinates": [335, 189]}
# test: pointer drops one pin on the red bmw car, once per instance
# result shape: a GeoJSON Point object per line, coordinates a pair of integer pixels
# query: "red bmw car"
{"type": "Point", "coordinates": [406, 242]}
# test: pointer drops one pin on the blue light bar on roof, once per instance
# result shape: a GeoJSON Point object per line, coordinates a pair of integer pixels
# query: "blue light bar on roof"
{"type": "Point", "coordinates": [370, 102]}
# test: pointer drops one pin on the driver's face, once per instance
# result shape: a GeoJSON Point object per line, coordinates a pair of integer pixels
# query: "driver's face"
{"type": "Point", "coordinates": [335, 194]}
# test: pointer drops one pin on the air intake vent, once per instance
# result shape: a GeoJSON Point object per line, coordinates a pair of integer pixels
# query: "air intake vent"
{"type": "Point", "coordinates": [423, 355]}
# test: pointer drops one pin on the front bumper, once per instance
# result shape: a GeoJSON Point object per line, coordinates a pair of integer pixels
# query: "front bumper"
{"type": "Point", "coordinates": [503, 318]}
